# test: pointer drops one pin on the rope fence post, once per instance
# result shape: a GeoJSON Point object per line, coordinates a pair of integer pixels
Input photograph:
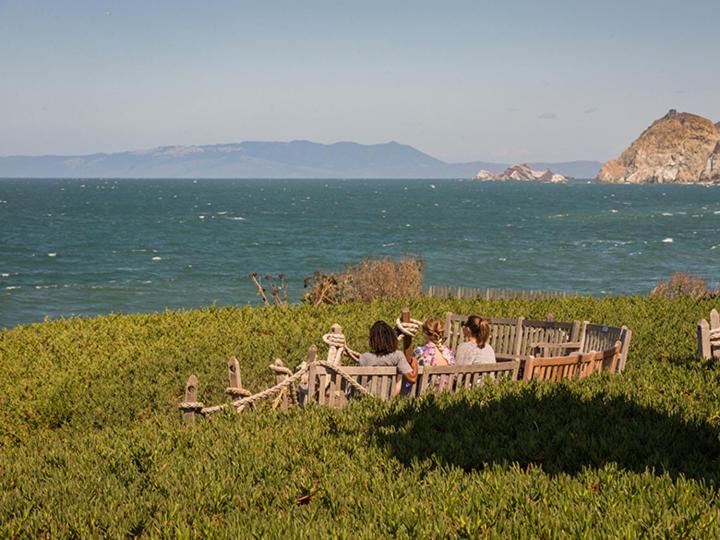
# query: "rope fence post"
{"type": "Point", "coordinates": [714, 331]}
{"type": "Point", "coordinates": [281, 373]}
{"type": "Point", "coordinates": [703, 338]}
{"type": "Point", "coordinates": [312, 373]}
{"type": "Point", "coordinates": [234, 379]}
{"type": "Point", "coordinates": [191, 405]}
{"type": "Point", "coordinates": [235, 388]}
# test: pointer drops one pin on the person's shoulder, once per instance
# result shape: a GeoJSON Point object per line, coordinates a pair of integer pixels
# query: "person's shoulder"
{"type": "Point", "coordinates": [366, 358]}
{"type": "Point", "coordinates": [398, 355]}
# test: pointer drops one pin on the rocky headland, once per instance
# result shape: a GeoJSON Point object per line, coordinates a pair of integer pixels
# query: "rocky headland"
{"type": "Point", "coordinates": [523, 173]}
{"type": "Point", "coordinates": [680, 148]}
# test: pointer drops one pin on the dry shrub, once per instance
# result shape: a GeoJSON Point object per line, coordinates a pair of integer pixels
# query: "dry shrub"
{"type": "Point", "coordinates": [372, 279]}
{"type": "Point", "coordinates": [682, 284]}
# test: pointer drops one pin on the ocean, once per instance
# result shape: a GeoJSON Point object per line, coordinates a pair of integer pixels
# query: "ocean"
{"type": "Point", "coordinates": [87, 247]}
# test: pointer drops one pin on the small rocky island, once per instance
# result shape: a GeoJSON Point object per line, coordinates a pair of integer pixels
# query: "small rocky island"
{"type": "Point", "coordinates": [680, 148]}
{"type": "Point", "coordinates": [523, 173]}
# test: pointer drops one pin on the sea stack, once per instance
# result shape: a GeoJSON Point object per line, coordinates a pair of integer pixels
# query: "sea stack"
{"type": "Point", "coordinates": [678, 148]}
{"type": "Point", "coordinates": [523, 173]}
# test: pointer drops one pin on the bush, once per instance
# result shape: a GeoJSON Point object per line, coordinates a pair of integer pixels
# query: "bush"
{"type": "Point", "coordinates": [682, 284]}
{"type": "Point", "coordinates": [92, 445]}
{"type": "Point", "coordinates": [371, 280]}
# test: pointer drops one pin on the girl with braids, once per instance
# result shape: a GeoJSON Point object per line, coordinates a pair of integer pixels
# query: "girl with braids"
{"type": "Point", "coordinates": [476, 350]}
{"type": "Point", "coordinates": [384, 351]}
{"type": "Point", "coordinates": [434, 352]}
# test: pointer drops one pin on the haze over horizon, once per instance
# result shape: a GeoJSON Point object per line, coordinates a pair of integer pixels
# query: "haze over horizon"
{"type": "Point", "coordinates": [462, 82]}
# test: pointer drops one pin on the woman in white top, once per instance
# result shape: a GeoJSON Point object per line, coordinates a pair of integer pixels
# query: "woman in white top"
{"type": "Point", "coordinates": [476, 350]}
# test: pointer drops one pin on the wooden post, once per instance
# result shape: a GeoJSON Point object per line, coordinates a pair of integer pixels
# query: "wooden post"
{"type": "Point", "coordinates": [703, 337]}
{"type": "Point", "coordinates": [190, 398]}
{"type": "Point", "coordinates": [626, 334]}
{"type": "Point", "coordinates": [312, 373]}
{"type": "Point", "coordinates": [581, 337]}
{"type": "Point", "coordinates": [333, 356]}
{"type": "Point", "coordinates": [518, 338]}
{"type": "Point", "coordinates": [280, 377]}
{"type": "Point", "coordinates": [234, 379]}
{"type": "Point", "coordinates": [575, 332]}
{"type": "Point", "coordinates": [448, 327]}
{"type": "Point", "coordinates": [407, 346]}
{"type": "Point", "coordinates": [714, 328]}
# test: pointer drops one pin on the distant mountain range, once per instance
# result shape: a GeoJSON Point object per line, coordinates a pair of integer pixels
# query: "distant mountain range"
{"type": "Point", "coordinates": [296, 159]}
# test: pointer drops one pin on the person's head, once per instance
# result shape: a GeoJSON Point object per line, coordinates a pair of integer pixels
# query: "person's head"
{"type": "Point", "coordinates": [433, 330]}
{"type": "Point", "coordinates": [477, 328]}
{"type": "Point", "coordinates": [383, 339]}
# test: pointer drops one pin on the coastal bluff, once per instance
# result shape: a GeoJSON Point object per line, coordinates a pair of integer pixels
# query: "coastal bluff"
{"type": "Point", "coordinates": [522, 173]}
{"type": "Point", "coordinates": [679, 148]}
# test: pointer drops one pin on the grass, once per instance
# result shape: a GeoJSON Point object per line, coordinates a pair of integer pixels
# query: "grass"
{"type": "Point", "coordinates": [91, 443]}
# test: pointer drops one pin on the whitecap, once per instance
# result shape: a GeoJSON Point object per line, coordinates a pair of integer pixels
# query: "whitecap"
{"type": "Point", "coordinates": [12, 287]}
{"type": "Point", "coordinates": [201, 217]}
{"type": "Point", "coordinates": [52, 254]}
{"type": "Point", "coordinates": [407, 224]}
{"type": "Point", "coordinates": [502, 259]}
{"type": "Point", "coordinates": [157, 258]}
{"type": "Point", "coordinates": [666, 214]}
{"type": "Point", "coordinates": [716, 212]}
{"type": "Point", "coordinates": [4, 274]}
{"type": "Point", "coordinates": [238, 218]}
{"type": "Point", "coordinates": [221, 213]}
{"type": "Point", "coordinates": [390, 244]}
{"type": "Point", "coordinates": [432, 186]}
{"type": "Point", "coordinates": [667, 240]}
{"type": "Point", "coordinates": [614, 211]}
{"type": "Point", "coordinates": [558, 216]}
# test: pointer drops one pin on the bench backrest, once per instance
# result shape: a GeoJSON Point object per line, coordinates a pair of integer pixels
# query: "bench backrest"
{"type": "Point", "coordinates": [607, 360]}
{"type": "Point", "coordinates": [600, 337]}
{"type": "Point", "coordinates": [457, 377]}
{"type": "Point", "coordinates": [503, 334]}
{"type": "Point", "coordinates": [328, 387]}
{"type": "Point", "coordinates": [512, 339]}
{"type": "Point", "coordinates": [576, 365]}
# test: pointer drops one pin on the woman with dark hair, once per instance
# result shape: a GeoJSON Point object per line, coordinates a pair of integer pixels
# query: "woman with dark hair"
{"type": "Point", "coordinates": [384, 351]}
{"type": "Point", "coordinates": [476, 350]}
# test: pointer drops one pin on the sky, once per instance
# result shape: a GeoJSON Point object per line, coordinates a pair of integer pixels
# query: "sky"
{"type": "Point", "coordinates": [460, 80]}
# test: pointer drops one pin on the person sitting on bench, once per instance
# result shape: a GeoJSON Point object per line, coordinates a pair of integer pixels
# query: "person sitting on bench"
{"type": "Point", "coordinates": [384, 351]}
{"type": "Point", "coordinates": [476, 350]}
{"type": "Point", "coordinates": [434, 352]}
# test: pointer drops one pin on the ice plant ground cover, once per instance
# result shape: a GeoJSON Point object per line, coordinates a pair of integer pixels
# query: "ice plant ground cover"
{"type": "Point", "coordinates": [91, 441]}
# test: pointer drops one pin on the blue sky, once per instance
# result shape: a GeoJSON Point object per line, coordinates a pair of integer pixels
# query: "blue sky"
{"type": "Point", "coordinates": [502, 81]}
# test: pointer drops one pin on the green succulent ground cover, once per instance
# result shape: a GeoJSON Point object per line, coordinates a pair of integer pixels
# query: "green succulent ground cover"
{"type": "Point", "coordinates": [91, 442]}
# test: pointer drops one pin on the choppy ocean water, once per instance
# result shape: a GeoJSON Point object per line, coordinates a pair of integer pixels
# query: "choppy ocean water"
{"type": "Point", "coordinates": [84, 247]}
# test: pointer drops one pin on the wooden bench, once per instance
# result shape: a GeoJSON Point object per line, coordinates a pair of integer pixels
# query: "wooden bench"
{"type": "Point", "coordinates": [576, 365]}
{"type": "Point", "coordinates": [518, 339]}
{"type": "Point", "coordinates": [330, 386]}
{"type": "Point", "coordinates": [708, 336]}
